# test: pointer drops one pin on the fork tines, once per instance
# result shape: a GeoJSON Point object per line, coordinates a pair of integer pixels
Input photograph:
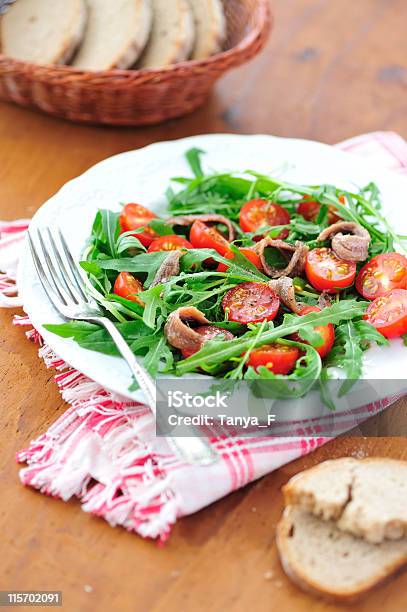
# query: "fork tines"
{"type": "Point", "coordinates": [5, 5]}
{"type": "Point", "coordinates": [56, 267]}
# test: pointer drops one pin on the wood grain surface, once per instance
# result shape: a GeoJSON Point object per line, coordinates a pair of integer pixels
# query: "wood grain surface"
{"type": "Point", "coordinates": [333, 69]}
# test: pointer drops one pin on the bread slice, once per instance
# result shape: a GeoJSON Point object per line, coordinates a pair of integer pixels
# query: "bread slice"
{"type": "Point", "coordinates": [327, 562]}
{"type": "Point", "coordinates": [173, 34]}
{"type": "Point", "coordinates": [366, 497]}
{"type": "Point", "coordinates": [210, 26]}
{"type": "Point", "coordinates": [43, 31]}
{"type": "Point", "coordinates": [116, 34]}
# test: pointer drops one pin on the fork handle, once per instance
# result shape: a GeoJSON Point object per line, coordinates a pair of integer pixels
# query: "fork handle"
{"type": "Point", "coordinates": [142, 377]}
{"type": "Point", "coordinates": [193, 450]}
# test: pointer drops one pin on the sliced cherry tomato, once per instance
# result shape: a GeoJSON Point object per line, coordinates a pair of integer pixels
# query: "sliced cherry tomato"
{"type": "Point", "coordinates": [309, 209]}
{"type": "Point", "coordinates": [326, 272]}
{"type": "Point", "coordinates": [388, 314]}
{"type": "Point", "coordinates": [279, 358]}
{"type": "Point", "coordinates": [251, 303]}
{"type": "Point", "coordinates": [169, 243]}
{"type": "Point", "coordinates": [248, 253]}
{"type": "Point", "coordinates": [204, 237]}
{"type": "Point", "coordinates": [128, 287]}
{"type": "Point", "coordinates": [256, 214]}
{"type": "Point", "coordinates": [208, 332]}
{"type": "Point", "coordinates": [382, 274]}
{"type": "Point", "coordinates": [133, 217]}
{"type": "Point", "coordinates": [327, 332]}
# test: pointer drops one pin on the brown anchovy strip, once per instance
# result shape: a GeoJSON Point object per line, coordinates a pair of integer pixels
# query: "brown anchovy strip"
{"type": "Point", "coordinates": [189, 220]}
{"type": "Point", "coordinates": [324, 300]}
{"type": "Point", "coordinates": [169, 268]}
{"type": "Point", "coordinates": [296, 264]}
{"type": "Point", "coordinates": [349, 240]}
{"type": "Point", "coordinates": [284, 288]}
{"type": "Point", "coordinates": [178, 332]}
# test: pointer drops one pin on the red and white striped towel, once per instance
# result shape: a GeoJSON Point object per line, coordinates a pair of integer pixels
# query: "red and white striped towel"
{"type": "Point", "coordinates": [103, 449]}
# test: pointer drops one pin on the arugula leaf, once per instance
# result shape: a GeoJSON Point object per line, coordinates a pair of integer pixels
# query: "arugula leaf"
{"type": "Point", "coordinates": [194, 159]}
{"type": "Point", "coordinates": [154, 305]}
{"type": "Point", "coordinates": [240, 267]}
{"type": "Point", "coordinates": [160, 227]}
{"type": "Point", "coordinates": [111, 230]}
{"type": "Point", "coordinates": [153, 348]}
{"type": "Point", "coordinates": [95, 338]}
{"type": "Point", "coordinates": [158, 356]}
{"type": "Point", "coordinates": [148, 263]}
{"type": "Point", "coordinates": [352, 338]}
{"type": "Point", "coordinates": [404, 339]}
{"type": "Point", "coordinates": [127, 241]}
{"type": "Point", "coordinates": [216, 353]}
{"type": "Point", "coordinates": [74, 329]}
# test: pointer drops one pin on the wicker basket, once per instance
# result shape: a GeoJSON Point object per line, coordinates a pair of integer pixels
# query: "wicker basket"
{"type": "Point", "coordinates": [136, 97]}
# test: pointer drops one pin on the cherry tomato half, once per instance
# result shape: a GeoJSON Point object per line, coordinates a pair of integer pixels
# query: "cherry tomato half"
{"type": "Point", "coordinates": [327, 332]}
{"type": "Point", "coordinates": [128, 287]}
{"type": "Point", "coordinates": [169, 243]}
{"type": "Point", "coordinates": [208, 332]}
{"type": "Point", "coordinates": [248, 253]}
{"type": "Point", "coordinates": [382, 274]}
{"type": "Point", "coordinates": [251, 303]}
{"type": "Point", "coordinates": [279, 358]}
{"type": "Point", "coordinates": [133, 217]}
{"type": "Point", "coordinates": [256, 214]}
{"type": "Point", "coordinates": [388, 314]}
{"type": "Point", "coordinates": [326, 272]}
{"type": "Point", "coordinates": [309, 209]}
{"type": "Point", "coordinates": [204, 237]}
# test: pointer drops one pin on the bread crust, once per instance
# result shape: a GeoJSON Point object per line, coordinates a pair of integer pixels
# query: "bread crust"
{"type": "Point", "coordinates": [131, 49]}
{"type": "Point", "coordinates": [68, 45]}
{"type": "Point", "coordinates": [71, 45]}
{"type": "Point", "coordinates": [180, 49]}
{"type": "Point", "coordinates": [298, 575]}
{"type": "Point", "coordinates": [209, 43]}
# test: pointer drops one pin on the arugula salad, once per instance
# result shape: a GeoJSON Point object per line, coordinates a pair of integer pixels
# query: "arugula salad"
{"type": "Point", "coordinates": [247, 277]}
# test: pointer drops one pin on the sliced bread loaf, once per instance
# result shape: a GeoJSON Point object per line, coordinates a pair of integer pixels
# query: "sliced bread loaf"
{"type": "Point", "coordinates": [172, 36]}
{"type": "Point", "coordinates": [210, 26]}
{"type": "Point", "coordinates": [325, 561]}
{"type": "Point", "coordinates": [367, 497]}
{"type": "Point", "coordinates": [115, 35]}
{"type": "Point", "coordinates": [43, 31]}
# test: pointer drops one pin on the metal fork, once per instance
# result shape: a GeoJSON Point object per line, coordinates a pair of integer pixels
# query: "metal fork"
{"type": "Point", "coordinates": [5, 5]}
{"type": "Point", "coordinates": [62, 281]}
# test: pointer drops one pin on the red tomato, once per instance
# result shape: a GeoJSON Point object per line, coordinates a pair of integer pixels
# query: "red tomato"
{"type": "Point", "coordinates": [133, 217]}
{"type": "Point", "coordinates": [204, 237]}
{"type": "Point", "coordinates": [128, 287]}
{"type": "Point", "coordinates": [248, 253]}
{"type": "Point", "coordinates": [382, 274]}
{"type": "Point", "coordinates": [309, 209]}
{"type": "Point", "coordinates": [388, 314]}
{"type": "Point", "coordinates": [327, 332]}
{"type": "Point", "coordinates": [256, 214]}
{"type": "Point", "coordinates": [169, 243]}
{"type": "Point", "coordinates": [208, 332]}
{"type": "Point", "coordinates": [279, 358]}
{"type": "Point", "coordinates": [251, 303]}
{"type": "Point", "coordinates": [326, 272]}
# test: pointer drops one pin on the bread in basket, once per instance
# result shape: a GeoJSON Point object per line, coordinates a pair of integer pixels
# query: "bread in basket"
{"type": "Point", "coordinates": [137, 97]}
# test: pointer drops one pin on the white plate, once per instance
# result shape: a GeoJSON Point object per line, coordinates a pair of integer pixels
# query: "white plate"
{"type": "Point", "coordinates": [144, 175]}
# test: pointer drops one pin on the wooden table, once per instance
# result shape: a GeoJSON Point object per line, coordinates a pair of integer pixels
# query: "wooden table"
{"type": "Point", "coordinates": [334, 68]}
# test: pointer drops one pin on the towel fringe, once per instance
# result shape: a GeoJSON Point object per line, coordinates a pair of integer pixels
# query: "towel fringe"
{"type": "Point", "coordinates": [99, 452]}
